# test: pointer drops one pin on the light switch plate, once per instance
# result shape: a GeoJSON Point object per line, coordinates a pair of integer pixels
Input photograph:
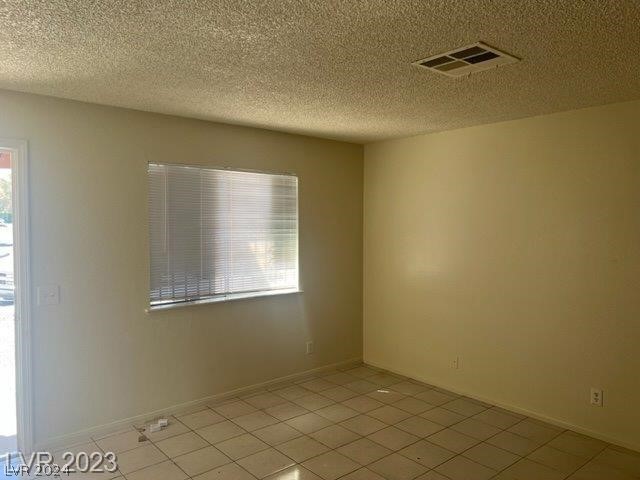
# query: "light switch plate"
{"type": "Point", "coordinates": [48, 295]}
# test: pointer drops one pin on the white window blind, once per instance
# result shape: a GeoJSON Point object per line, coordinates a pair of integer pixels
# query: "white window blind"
{"type": "Point", "coordinates": [217, 234]}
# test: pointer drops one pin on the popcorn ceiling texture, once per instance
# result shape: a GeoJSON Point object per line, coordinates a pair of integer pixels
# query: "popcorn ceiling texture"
{"type": "Point", "coordinates": [326, 68]}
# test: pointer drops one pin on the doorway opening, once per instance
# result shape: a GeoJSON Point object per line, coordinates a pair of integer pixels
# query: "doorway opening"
{"type": "Point", "coordinates": [8, 411]}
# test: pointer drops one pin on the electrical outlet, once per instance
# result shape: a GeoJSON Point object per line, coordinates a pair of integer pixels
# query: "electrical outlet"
{"type": "Point", "coordinates": [309, 348]}
{"type": "Point", "coordinates": [455, 364]}
{"type": "Point", "coordinates": [596, 397]}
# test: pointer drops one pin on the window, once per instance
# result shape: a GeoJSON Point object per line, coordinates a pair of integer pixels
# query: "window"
{"type": "Point", "coordinates": [218, 234]}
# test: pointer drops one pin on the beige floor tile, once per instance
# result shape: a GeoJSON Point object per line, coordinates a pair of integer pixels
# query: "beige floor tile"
{"type": "Point", "coordinates": [577, 444]}
{"type": "Point", "coordinates": [235, 409]}
{"type": "Point", "coordinates": [162, 471]}
{"type": "Point", "coordinates": [337, 412]}
{"type": "Point", "coordinates": [406, 434]}
{"type": "Point", "coordinates": [461, 468]}
{"type": "Point", "coordinates": [174, 428]}
{"type": "Point", "coordinates": [264, 400]}
{"type": "Point", "coordinates": [434, 397]}
{"type": "Point", "coordinates": [413, 405]}
{"type": "Point", "coordinates": [201, 419]}
{"type": "Point", "coordinates": [121, 442]}
{"type": "Point", "coordinates": [85, 447]}
{"type": "Point", "coordinates": [254, 421]}
{"type": "Point", "coordinates": [557, 459]}
{"type": "Point", "coordinates": [364, 451]}
{"type": "Point", "coordinates": [313, 401]}
{"type": "Point", "coordinates": [292, 392]}
{"type": "Point", "coordinates": [339, 394]}
{"type": "Point", "coordinates": [599, 471]}
{"type": "Point", "coordinates": [389, 415]}
{"type": "Point", "coordinates": [277, 434]}
{"type": "Point", "coordinates": [361, 386]}
{"type": "Point", "coordinates": [386, 396]}
{"type": "Point", "coordinates": [497, 418]}
{"type": "Point", "coordinates": [265, 463]}
{"type": "Point", "coordinates": [285, 411]}
{"type": "Point", "coordinates": [476, 429]}
{"type": "Point", "coordinates": [452, 440]}
{"type": "Point", "coordinates": [625, 461]}
{"type": "Point", "coordinates": [70, 471]}
{"type": "Point", "coordinates": [79, 476]}
{"type": "Point", "coordinates": [331, 465]}
{"type": "Point", "coordinates": [464, 406]}
{"type": "Point", "coordinates": [491, 456]}
{"type": "Point", "coordinates": [384, 379]}
{"type": "Point", "coordinates": [443, 416]}
{"type": "Point", "coordinates": [421, 427]}
{"type": "Point", "coordinates": [334, 436]}
{"type": "Point", "coordinates": [317, 385]}
{"type": "Point", "coordinates": [527, 470]}
{"type": "Point", "coordinates": [181, 444]}
{"type": "Point", "coordinates": [252, 393]}
{"type": "Point", "coordinates": [362, 403]}
{"type": "Point", "coordinates": [363, 474]}
{"type": "Point", "coordinates": [536, 431]}
{"type": "Point", "coordinates": [363, 425]}
{"type": "Point", "coordinates": [397, 467]}
{"type": "Point", "coordinates": [393, 438]}
{"type": "Point", "coordinates": [220, 431]}
{"type": "Point", "coordinates": [294, 473]}
{"type": "Point", "coordinates": [200, 461]}
{"type": "Point", "coordinates": [139, 458]}
{"type": "Point", "coordinates": [302, 448]}
{"type": "Point", "coordinates": [230, 471]}
{"type": "Point", "coordinates": [514, 443]}
{"type": "Point", "coordinates": [432, 475]}
{"type": "Point", "coordinates": [308, 423]}
{"type": "Point", "coordinates": [426, 453]}
{"type": "Point", "coordinates": [409, 388]}
{"type": "Point", "coordinates": [340, 378]}
{"type": "Point", "coordinates": [242, 446]}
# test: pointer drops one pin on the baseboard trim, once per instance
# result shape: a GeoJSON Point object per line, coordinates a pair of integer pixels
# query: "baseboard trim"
{"type": "Point", "coordinates": [63, 441]}
{"type": "Point", "coordinates": [523, 411]}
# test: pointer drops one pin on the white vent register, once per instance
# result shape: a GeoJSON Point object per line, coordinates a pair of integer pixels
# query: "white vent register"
{"type": "Point", "coordinates": [466, 60]}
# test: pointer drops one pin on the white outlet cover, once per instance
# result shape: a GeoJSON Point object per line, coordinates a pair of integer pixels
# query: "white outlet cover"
{"type": "Point", "coordinates": [596, 397]}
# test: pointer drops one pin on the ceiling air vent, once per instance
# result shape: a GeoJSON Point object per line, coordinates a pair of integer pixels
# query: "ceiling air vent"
{"type": "Point", "coordinates": [466, 60]}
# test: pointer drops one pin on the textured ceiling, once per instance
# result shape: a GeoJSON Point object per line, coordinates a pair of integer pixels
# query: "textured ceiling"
{"type": "Point", "coordinates": [336, 69]}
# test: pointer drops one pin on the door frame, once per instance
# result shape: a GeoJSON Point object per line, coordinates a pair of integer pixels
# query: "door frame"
{"type": "Point", "coordinates": [22, 285]}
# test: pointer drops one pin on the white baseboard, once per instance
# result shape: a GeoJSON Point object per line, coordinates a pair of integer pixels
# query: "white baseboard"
{"type": "Point", "coordinates": [516, 409]}
{"type": "Point", "coordinates": [63, 441]}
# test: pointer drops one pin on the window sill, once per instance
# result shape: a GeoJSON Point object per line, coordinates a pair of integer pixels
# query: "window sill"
{"type": "Point", "coordinates": [226, 298]}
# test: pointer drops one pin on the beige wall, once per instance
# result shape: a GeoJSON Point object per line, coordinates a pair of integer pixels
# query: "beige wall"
{"type": "Point", "coordinates": [98, 357]}
{"type": "Point", "coordinates": [515, 246]}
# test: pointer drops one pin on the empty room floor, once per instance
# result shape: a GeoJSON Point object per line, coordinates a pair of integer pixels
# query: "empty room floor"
{"type": "Point", "coordinates": [360, 423]}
